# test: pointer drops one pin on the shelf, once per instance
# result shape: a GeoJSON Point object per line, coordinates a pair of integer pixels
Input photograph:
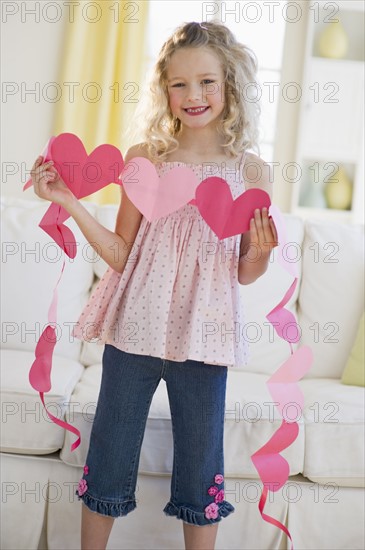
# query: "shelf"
{"type": "Point", "coordinates": [351, 5]}
{"type": "Point", "coordinates": [340, 216]}
{"type": "Point", "coordinates": [315, 175]}
{"type": "Point", "coordinates": [330, 123]}
{"type": "Point", "coordinates": [339, 64]}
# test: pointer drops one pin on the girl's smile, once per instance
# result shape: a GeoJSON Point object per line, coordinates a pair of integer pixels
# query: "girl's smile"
{"type": "Point", "coordinates": [194, 111]}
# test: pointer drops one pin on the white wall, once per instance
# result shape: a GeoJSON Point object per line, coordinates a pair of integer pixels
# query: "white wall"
{"type": "Point", "coordinates": [287, 119]}
{"type": "Point", "coordinates": [30, 54]}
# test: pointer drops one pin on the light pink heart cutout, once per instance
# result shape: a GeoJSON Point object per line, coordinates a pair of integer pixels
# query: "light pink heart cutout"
{"type": "Point", "coordinates": [283, 384]}
{"type": "Point", "coordinates": [157, 197]}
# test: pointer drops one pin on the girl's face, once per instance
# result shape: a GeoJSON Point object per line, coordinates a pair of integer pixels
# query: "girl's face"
{"type": "Point", "coordinates": [195, 83]}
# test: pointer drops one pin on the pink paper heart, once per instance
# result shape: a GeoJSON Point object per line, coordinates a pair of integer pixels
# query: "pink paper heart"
{"type": "Point", "coordinates": [52, 224]}
{"type": "Point", "coordinates": [85, 174]}
{"type": "Point", "coordinates": [271, 466]}
{"type": "Point", "coordinates": [283, 384]}
{"type": "Point", "coordinates": [40, 371]}
{"type": "Point", "coordinates": [40, 376]}
{"type": "Point", "coordinates": [157, 197]}
{"type": "Point", "coordinates": [282, 319]}
{"type": "Point", "coordinates": [225, 216]}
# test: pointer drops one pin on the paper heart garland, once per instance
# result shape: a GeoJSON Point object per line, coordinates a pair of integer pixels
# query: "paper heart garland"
{"type": "Point", "coordinates": [272, 468]}
{"type": "Point", "coordinates": [40, 372]}
{"type": "Point", "coordinates": [156, 197]}
{"type": "Point", "coordinates": [83, 174]}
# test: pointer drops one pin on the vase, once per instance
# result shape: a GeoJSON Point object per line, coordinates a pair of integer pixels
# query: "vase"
{"type": "Point", "coordinates": [333, 41]}
{"type": "Point", "coordinates": [338, 190]}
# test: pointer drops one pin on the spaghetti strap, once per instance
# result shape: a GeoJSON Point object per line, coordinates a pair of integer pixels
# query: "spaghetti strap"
{"type": "Point", "coordinates": [241, 167]}
{"type": "Point", "coordinates": [243, 158]}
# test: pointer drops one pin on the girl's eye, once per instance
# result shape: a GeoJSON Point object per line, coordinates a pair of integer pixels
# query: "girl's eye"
{"type": "Point", "coordinates": [180, 84]}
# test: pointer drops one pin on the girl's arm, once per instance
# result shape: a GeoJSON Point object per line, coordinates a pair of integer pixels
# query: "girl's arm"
{"type": "Point", "coordinates": [113, 247]}
{"type": "Point", "coordinates": [257, 243]}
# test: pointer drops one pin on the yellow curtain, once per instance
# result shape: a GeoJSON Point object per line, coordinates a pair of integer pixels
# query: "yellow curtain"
{"type": "Point", "coordinates": [101, 71]}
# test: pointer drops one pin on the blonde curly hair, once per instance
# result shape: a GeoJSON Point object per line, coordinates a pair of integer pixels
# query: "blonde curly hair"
{"type": "Point", "coordinates": [153, 122]}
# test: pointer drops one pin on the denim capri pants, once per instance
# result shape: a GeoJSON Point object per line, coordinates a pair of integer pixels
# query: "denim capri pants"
{"type": "Point", "coordinates": [196, 393]}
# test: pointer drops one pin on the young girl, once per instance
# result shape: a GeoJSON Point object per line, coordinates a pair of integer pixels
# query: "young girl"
{"type": "Point", "coordinates": [166, 306]}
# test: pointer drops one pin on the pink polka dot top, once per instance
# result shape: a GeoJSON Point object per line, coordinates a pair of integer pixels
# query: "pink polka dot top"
{"type": "Point", "coordinates": [178, 297]}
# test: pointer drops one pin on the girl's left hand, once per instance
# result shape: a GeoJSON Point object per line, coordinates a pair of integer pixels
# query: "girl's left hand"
{"type": "Point", "coordinates": [263, 232]}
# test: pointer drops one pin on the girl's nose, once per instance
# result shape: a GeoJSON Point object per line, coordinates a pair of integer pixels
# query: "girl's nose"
{"type": "Point", "coordinates": [194, 93]}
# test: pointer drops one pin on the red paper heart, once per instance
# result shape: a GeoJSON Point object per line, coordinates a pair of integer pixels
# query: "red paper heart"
{"type": "Point", "coordinates": [85, 174]}
{"type": "Point", "coordinates": [225, 216]}
{"type": "Point", "coordinates": [271, 466]}
{"type": "Point", "coordinates": [40, 372]}
{"type": "Point", "coordinates": [52, 224]}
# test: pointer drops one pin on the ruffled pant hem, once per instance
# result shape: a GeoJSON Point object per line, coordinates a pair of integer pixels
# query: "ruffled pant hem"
{"type": "Point", "coordinates": [197, 518]}
{"type": "Point", "coordinates": [113, 509]}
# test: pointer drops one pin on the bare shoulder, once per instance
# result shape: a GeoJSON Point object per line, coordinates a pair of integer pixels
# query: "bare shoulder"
{"type": "Point", "coordinates": [257, 173]}
{"type": "Point", "coordinates": [138, 150]}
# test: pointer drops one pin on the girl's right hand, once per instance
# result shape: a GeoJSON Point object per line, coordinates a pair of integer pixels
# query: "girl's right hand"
{"type": "Point", "coordinates": [48, 184]}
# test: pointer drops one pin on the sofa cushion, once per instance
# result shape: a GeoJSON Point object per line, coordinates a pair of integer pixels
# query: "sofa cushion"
{"type": "Point", "coordinates": [267, 350]}
{"type": "Point", "coordinates": [26, 427]}
{"type": "Point", "coordinates": [31, 266]}
{"type": "Point", "coordinates": [334, 432]}
{"type": "Point", "coordinates": [331, 298]}
{"type": "Point", "coordinates": [250, 420]}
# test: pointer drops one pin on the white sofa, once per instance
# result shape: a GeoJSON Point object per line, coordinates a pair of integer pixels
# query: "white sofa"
{"type": "Point", "coordinates": [322, 503]}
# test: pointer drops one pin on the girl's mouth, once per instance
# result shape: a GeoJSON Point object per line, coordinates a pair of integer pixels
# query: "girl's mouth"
{"type": "Point", "coordinates": [194, 111]}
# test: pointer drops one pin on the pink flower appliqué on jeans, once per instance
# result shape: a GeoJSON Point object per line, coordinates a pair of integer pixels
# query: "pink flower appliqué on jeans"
{"type": "Point", "coordinates": [211, 511]}
{"type": "Point", "coordinates": [219, 497]}
{"type": "Point", "coordinates": [86, 470]}
{"type": "Point", "coordinates": [213, 490]}
{"type": "Point", "coordinates": [218, 479]}
{"type": "Point", "coordinates": [82, 487]}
